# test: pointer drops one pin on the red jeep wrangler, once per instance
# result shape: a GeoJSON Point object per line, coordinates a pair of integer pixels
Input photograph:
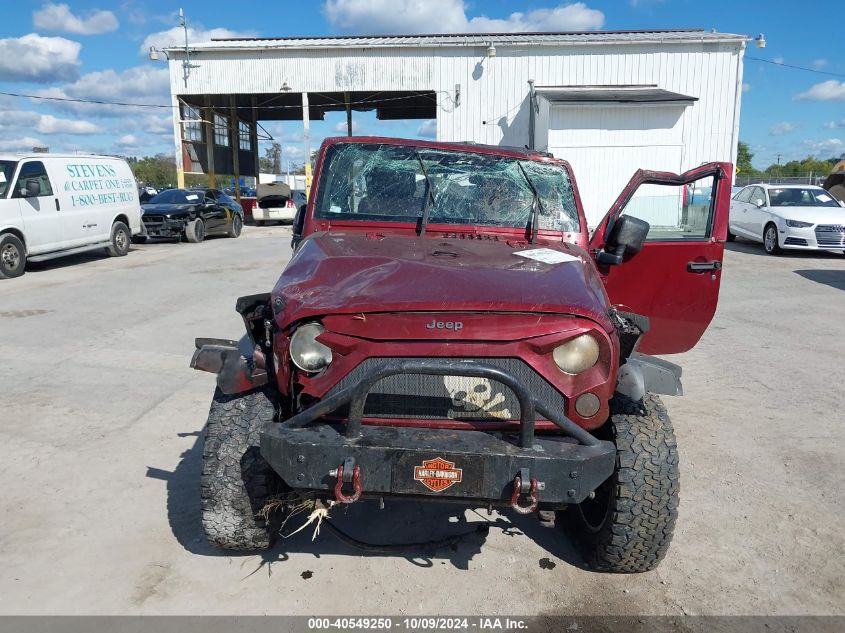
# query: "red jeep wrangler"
{"type": "Point", "coordinates": [447, 329]}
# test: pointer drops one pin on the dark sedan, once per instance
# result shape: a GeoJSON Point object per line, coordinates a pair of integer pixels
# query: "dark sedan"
{"type": "Point", "coordinates": [192, 214]}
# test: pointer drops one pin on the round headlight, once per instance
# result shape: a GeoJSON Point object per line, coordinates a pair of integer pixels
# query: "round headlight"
{"type": "Point", "coordinates": [306, 352]}
{"type": "Point", "coordinates": [577, 355]}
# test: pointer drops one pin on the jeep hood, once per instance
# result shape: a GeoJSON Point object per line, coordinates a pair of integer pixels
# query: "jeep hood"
{"type": "Point", "coordinates": [350, 273]}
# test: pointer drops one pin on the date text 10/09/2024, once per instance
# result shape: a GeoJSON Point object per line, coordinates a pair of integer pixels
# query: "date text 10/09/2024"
{"type": "Point", "coordinates": [419, 623]}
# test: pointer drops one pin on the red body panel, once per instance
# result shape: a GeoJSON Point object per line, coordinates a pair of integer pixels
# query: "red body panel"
{"type": "Point", "coordinates": [656, 282]}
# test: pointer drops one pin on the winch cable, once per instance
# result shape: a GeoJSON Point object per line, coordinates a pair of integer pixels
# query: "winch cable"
{"type": "Point", "coordinates": [450, 541]}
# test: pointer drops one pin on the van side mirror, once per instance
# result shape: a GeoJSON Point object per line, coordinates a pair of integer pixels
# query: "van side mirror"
{"type": "Point", "coordinates": [296, 229]}
{"type": "Point", "coordinates": [625, 238]}
{"type": "Point", "coordinates": [32, 189]}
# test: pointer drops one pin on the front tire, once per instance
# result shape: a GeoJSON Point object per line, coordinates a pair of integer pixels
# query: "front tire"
{"type": "Point", "coordinates": [731, 236]}
{"type": "Point", "coordinates": [12, 256]}
{"type": "Point", "coordinates": [236, 482]}
{"type": "Point", "coordinates": [770, 240]}
{"type": "Point", "coordinates": [195, 231]}
{"type": "Point", "coordinates": [627, 527]}
{"type": "Point", "coordinates": [237, 226]}
{"type": "Point", "coordinates": [121, 238]}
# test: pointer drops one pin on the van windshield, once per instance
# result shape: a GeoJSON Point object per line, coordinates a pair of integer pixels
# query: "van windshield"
{"type": "Point", "coordinates": [395, 183]}
{"type": "Point", "coordinates": [7, 171]}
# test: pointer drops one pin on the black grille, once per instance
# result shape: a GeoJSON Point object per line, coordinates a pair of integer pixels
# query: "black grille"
{"type": "Point", "coordinates": [154, 220]}
{"type": "Point", "coordinates": [795, 241]}
{"type": "Point", "coordinates": [450, 397]}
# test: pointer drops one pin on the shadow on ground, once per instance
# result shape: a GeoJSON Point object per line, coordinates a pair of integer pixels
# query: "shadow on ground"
{"type": "Point", "coordinates": [399, 523]}
{"type": "Point", "coordinates": [832, 278]}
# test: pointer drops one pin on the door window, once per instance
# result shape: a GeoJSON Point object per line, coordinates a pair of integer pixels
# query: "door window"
{"type": "Point", "coordinates": [33, 170]}
{"type": "Point", "coordinates": [745, 195]}
{"type": "Point", "coordinates": [675, 212]}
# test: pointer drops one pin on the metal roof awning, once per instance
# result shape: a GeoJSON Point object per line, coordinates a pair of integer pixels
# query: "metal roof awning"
{"type": "Point", "coordinates": [606, 95]}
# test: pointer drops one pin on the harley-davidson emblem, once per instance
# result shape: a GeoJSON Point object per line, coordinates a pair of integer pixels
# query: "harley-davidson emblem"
{"type": "Point", "coordinates": [437, 474]}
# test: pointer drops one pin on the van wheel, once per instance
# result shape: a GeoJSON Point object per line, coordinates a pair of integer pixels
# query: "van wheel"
{"type": "Point", "coordinates": [120, 240]}
{"type": "Point", "coordinates": [12, 256]}
{"type": "Point", "coordinates": [195, 231]}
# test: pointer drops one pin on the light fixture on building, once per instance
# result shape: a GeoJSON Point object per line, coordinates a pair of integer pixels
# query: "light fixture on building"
{"type": "Point", "coordinates": [285, 87]}
{"type": "Point", "coordinates": [761, 41]}
{"type": "Point", "coordinates": [491, 50]}
{"type": "Point", "coordinates": [153, 54]}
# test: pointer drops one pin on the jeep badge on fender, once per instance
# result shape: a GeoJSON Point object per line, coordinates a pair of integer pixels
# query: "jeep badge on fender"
{"type": "Point", "coordinates": [546, 402]}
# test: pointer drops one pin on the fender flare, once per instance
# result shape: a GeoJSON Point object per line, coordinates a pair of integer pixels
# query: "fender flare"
{"type": "Point", "coordinates": [643, 374]}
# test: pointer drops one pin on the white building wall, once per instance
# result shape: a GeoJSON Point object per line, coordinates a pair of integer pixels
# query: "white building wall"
{"type": "Point", "coordinates": [494, 105]}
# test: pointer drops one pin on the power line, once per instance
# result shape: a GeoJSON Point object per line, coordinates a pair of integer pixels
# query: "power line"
{"type": "Point", "coordinates": [809, 70]}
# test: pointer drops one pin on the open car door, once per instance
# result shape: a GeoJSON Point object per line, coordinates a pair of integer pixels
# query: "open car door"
{"type": "Point", "coordinates": [674, 279]}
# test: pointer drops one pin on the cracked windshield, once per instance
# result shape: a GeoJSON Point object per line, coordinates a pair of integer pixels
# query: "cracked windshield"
{"type": "Point", "coordinates": [378, 182]}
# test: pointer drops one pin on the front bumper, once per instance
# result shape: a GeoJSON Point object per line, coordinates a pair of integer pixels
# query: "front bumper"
{"type": "Point", "coordinates": [163, 226]}
{"type": "Point", "coordinates": [819, 237]}
{"type": "Point", "coordinates": [470, 466]}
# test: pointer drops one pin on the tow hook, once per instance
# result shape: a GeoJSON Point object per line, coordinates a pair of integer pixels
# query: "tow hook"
{"type": "Point", "coordinates": [524, 484]}
{"type": "Point", "coordinates": [347, 472]}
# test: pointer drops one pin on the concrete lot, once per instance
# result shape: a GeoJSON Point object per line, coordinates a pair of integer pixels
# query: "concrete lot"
{"type": "Point", "coordinates": [100, 419]}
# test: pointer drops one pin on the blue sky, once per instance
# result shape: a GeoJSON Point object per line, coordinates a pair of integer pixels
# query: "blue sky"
{"type": "Point", "coordinates": [94, 49]}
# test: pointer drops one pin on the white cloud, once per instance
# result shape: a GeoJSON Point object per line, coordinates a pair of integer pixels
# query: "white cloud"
{"type": "Point", "coordinates": [176, 37]}
{"type": "Point", "coordinates": [825, 147]}
{"type": "Point", "coordinates": [22, 144]}
{"type": "Point", "coordinates": [340, 127]}
{"type": "Point", "coordinates": [746, 87]}
{"type": "Point", "coordinates": [139, 84]}
{"type": "Point", "coordinates": [449, 16]}
{"type": "Point", "coordinates": [784, 127]}
{"type": "Point", "coordinates": [58, 17]}
{"type": "Point", "coordinates": [832, 125]}
{"type": "Point", "coordinates": [428, 129]}
{"type": "Point", "coordinates": [48, 124]}
{"type": "Point", "coordinates": [127, 140]}
{"type": "Point", "coordinates": [831, 90]}
{"type": "Point", "coordinates": [778, 60]}
{"type": "Point", "coordinates": [38, 59]}
{"type": "Point", "coordinates": [819, 63]}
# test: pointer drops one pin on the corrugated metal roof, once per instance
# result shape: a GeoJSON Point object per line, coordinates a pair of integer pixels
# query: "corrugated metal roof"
{"type": "Point", "coordinates": [473, 39]}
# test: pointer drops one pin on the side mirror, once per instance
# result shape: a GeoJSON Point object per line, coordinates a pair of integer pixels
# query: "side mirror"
{"type": "Point", "coordinates": [626, 238]}
{"type": "Point", "coordinates": [759, 203]}
{"type": "Point", "coordinates": [298, 224]}
{"type": "Point", "coordinates": [32, 189]}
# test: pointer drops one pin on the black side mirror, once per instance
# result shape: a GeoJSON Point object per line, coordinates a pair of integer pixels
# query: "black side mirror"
{"type": "Point", "coordinates": [32, 188]}
{"type": "Point", "coordinates": [298, 224]}
{"type": "Point", "coordinates": [626, 238]}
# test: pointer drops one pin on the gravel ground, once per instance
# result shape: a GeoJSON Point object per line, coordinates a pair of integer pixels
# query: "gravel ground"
{"type": "Point", "coordinates": [100, 419]}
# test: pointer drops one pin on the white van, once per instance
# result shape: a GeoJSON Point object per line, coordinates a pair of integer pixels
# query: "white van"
{"type": "Point", "coordinates": [59, 204]}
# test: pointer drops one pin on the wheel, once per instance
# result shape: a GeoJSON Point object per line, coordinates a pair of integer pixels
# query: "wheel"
{"type": "Point", "coordinates": [237, 225]}
{"type": "Point", "coordinates": [236, 482]}
{"type": "Point", "coordinates": [195, 231]}
{"type": "Point", "coordinates": [628, 525]}
{"type": "Point", "coordinates": [12, 256]}
{"type": "Point", "coordinates": [139, 239]}
{"type": "Point", "coordinates": [731, 236]}
{"type": "Point", "coordinates": [770, 240]}
{"type": "Point", "coordinates": [121, 237]}
{"type": "Point", "coordinates": [260, 223]}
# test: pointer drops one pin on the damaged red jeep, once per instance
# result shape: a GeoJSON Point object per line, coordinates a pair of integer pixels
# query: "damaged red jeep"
{"type": "Point", "coordinates": [448, 330]}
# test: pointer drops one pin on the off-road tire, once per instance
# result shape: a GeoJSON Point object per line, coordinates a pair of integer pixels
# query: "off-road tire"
{"type": "Point", "coordinates": [195, 231]}
{"type": "Point", "coordinates": [121, 238]}
{"type": "Point", "coordinates": [236, 482]}
{"type": "Point", "coordinates": [638, 505]}
{"type": "Point", "coordinates": [12, 256]}
{"type": "Point", "coordinates": [237, 226]}
{"type": "Point", "coordinates": [775, 249]}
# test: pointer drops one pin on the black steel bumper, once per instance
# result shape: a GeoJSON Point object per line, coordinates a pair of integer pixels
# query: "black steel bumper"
{"type": "Point", "coordinates": [306, 451]}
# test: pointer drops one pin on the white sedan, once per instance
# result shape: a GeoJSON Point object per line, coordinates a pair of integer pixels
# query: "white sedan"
{"type": "Point", "coordinates": [788, 217]}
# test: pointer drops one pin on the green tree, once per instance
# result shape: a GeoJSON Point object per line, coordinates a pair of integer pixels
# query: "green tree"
{"type": "Point", "coordinates": [157, 171]}
{"type": "Point", "coordinates": [744, 156]}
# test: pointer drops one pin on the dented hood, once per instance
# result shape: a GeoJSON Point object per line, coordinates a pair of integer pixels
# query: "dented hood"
{"type": "Point", "coordinates": [350, 273]}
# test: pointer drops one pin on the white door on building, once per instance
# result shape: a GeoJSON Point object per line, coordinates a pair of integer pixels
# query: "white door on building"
{"type": "Point", "coordinates": [606, 144]}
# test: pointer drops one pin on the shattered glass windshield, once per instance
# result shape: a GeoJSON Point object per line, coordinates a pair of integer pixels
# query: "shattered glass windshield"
{"type": "Point", "coordinates": [375, 182]}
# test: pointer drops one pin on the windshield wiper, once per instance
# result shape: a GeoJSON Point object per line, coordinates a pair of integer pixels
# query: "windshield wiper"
{"type": "Point", "coordinates": [428, 199]}
{"type": "Point", "coordinates": [536, 205]}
